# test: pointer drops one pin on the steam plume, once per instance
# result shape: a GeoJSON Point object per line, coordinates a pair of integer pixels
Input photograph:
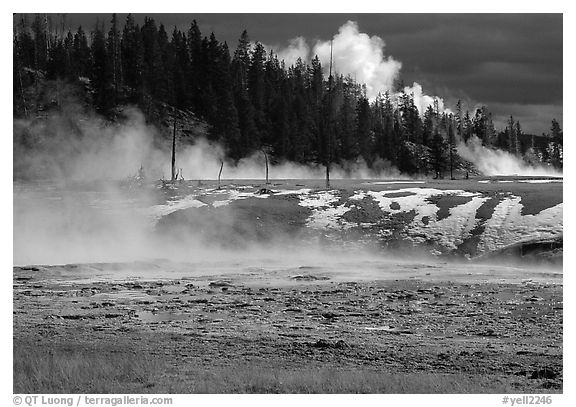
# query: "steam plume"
{"type": "Point", "coordinates": [498, 162]}
{"type": "Point", "coordinates": [362, 57]}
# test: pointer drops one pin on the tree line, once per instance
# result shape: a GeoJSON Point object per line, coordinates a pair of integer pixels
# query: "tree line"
{"type": "Point", "coordinates": [250, 100]}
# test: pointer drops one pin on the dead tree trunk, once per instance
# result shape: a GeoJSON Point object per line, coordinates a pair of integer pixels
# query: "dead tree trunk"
{"type": "Point", "coordinates": [174, 153]}
{"type": "Point", "coordinates": [328, 148]}
{"type": "Point", "coordinates": [266, 160]}
{"type": "Point", "coordinates": [220, 173]}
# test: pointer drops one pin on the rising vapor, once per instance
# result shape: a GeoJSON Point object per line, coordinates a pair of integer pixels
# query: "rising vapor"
{"type": "Point", "coordinates": [362, 57]}
{"type": "Point", "coordinates": [492, 162]}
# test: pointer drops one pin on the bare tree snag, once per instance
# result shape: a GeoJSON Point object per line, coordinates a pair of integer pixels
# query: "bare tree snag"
{"type": "Point", "coordinates": [220, 173]}
{"type": "Point", "coordinates": [174, 153]}
{"type": "Point", "coordinates": [265, 152]}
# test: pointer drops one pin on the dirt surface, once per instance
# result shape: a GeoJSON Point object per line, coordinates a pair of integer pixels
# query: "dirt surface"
{"type": "Point", "coordinates": [485, 321]}
{"type": "Point", "coordinates": [376, 277]}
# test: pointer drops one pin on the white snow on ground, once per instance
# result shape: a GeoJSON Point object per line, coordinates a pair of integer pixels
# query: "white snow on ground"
{"type": "Point", "coordinates": [234, 195]}
{"type": "Point", "coordinates": [190, 201]}
{"type": "Point", "coordinates": [325, 215]}
{"type": "Point", "coordinates": [292, 191]}
{"type": "Point", "coordinates": [530, 181]}
{"type": "Point", "coordinates": [395, 182]}
{"type": "Point", "coordinates": [507, 226]}
{"type": "Point", "coordinates": [541, 181]}
{"type": "Point", "coordinates": [416, 201]}
{"type": "Point", "coordinates": [448, 232]}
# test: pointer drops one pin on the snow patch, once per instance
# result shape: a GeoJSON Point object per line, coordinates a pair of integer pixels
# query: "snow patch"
{"type": "Point", "coordinates": [158, 211]}
{"type": "Point", "coordinates": [541, 181]}
{"type": "Point", "coordinates": [302, 191]}
{"type": "Point", "coordinates": [507, 226]}
{"type": "Point", "coordinates": [448, 232]}
{"type": "Point", "coordinates": [395, 182]}
{"type": "Point", "coordinates": [325, 215]}
{"type": "Point", "coordinates": [234, 195]}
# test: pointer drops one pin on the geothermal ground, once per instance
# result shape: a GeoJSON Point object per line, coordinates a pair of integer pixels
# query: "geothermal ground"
{"type": "Point", "coordinates": [383, 287]}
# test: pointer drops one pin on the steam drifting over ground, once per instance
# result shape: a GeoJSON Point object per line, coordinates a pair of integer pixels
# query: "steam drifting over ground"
{"type": "Point", "coordinates": [492, 162]}
{"type": "Point", "coordinates": [81, 146]}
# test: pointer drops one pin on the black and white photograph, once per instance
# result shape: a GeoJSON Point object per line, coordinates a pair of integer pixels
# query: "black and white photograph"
{"type": "Point", "coordinates": [327, 203]}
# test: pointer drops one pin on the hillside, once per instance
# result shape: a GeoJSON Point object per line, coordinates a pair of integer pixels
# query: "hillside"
{"type": "Point", "coordinates": [472, 219]}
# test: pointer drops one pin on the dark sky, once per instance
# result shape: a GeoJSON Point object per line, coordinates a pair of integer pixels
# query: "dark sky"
{"type": "Point", "coordinates": [510, 62]}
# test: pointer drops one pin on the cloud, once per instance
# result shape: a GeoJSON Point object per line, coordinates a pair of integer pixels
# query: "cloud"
{"type": "Point", "coordinates": [421, 100]}
{"type": "Point", "coordinates": [360, 56]}
{"type": "Point", "coordinates": [354, 53]}
{"type": "Point", "coordinates": [298, 48]}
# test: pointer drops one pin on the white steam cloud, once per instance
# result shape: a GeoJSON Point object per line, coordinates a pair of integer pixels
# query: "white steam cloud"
{"type": "Point", "coordinates": [203, 160]}
{"type": "Point", "coordinates": [362, 57]}
{"type": "Point", "coordinates": [298, 48]}
{"type": "Point", "coordinates": [423, 101]}
{"type": "Point", "coordinates": [97, 151]}
{"type": "Point", "coordinates": [498, 162]}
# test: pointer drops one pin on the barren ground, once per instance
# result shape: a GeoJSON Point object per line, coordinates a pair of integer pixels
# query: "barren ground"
{"type": "Point", "coordinates": [349, 324]}
{"type": "Point", "coordinates": [476, 332]}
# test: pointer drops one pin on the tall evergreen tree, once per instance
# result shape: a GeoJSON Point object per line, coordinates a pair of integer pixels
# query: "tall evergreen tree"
{"type": "Point", "coordinates": [249, 136]}
{"type": "Point", "coordinates": [81, 56]}
{"type": "Point", "coordinates": [438, 154]}
{"type": "Point", "coordinates": [132, 58]}
{"type": "Point", "coordinates": [512, 137]}
{"type": "Point", "coordinates": [557, 156]}
{"type": "Point", "coordinates": [114, 54]}
{"type": "Point", "coordinates": [101, 72]}
{"type": "Point", "coordinates": [364, 133]}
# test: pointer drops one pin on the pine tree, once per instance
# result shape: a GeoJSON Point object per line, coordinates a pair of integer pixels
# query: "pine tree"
{"type": "Point", "coordinates": [438, 154]}
{"type": "Point", "coordinates": [40, 31]}
{"type": "Point", "coordinates": [194, 40]}
{"type": "Point", "coordinates": [467, 127]}
{"type": "Point", "coordinates": [132, 58]}
{"type": "Point", "coordinates": [428, 126]}
{"type": "Point", "coordinates": [518, 138]}
{"type": "Point", "coordinates": [557, 156]}
{"type": "Point", "coordinates": [249, 136]}
{"type": "Point", "coordinates": [459, 122]}
{"type": "Point", "coordinates": [115, 56]}
{"type": "Point", "coordinates": [364, 133]}
{"type": "Point", "coordinates": [226, 124]}
{"type": "Point", "coordinates": [153, 69]}
{"type": "Point", "coordinates": [180, 70]}
{"type": "Point", "coordinates": [346, 139]}
{"type": "Point", "coordinates": [512, 136]}
{"type": "Point", "coordinates": [81, 56]}
{"type": "Point", "coordinates": [101, 72]}
{"type": "Point", "coordinates": [453, 155]}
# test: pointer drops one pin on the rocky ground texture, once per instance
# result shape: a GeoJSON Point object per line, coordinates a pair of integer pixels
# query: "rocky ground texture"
{"type": "Point", "coordinates": [510, 332]}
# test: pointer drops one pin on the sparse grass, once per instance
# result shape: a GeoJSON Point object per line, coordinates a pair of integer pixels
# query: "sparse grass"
{"type": "Point", "coordinates": [330, 380]}
{"type": "Point", "coordinates": [52, 370]}
{"type": "Point", "coordinates": [81, 370]}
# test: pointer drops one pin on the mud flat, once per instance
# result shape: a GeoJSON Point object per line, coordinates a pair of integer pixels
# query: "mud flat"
{"type": "Point", "coordinates": [164, 327]}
